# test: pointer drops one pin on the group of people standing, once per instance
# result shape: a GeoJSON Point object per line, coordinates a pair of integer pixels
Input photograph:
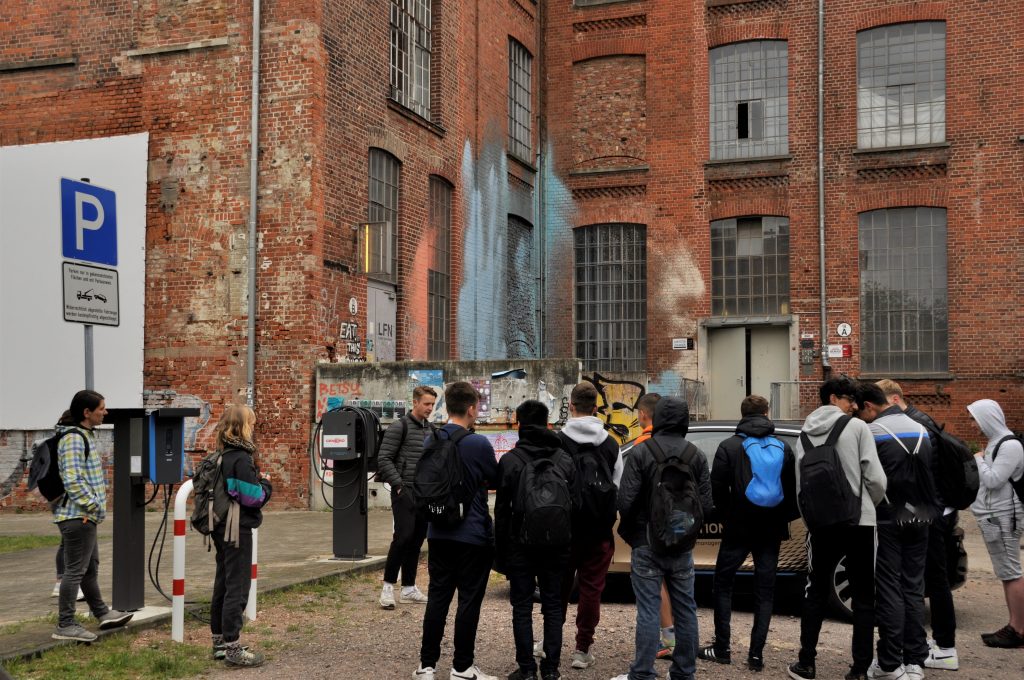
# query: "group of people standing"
{"type": "Point", "coordinates": [895, 547]}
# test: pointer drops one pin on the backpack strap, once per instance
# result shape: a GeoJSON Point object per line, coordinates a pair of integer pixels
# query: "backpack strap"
{"type": "Point", "coordinates": [899, 441]}
{"type": "Point", "coordinates": [657, 451]}
{"type": "Point", "coordinates": [1000, 443]}
{"type": "Point", "coordinates": [85, 456]}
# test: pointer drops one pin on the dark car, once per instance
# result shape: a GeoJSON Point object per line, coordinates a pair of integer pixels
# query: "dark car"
{"type": "Point", "coordinates": [706, 436]}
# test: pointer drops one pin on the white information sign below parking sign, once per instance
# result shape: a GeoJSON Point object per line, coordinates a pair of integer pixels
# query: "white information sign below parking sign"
{"type": "Point", "coordinates": [90, 295]}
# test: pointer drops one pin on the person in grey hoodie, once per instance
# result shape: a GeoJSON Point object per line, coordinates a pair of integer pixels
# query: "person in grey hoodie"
{"type": "Point", "coordinates": [859, 458]}
{"type": "Point", "coordinates": [592, 541]}
{"type": "Point", "coordinates": [1000, 514]}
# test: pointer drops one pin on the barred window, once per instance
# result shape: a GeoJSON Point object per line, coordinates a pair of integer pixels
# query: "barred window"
{"type": "Point", "coordinates": [383, 242]}
{"type": "Point", "coordinates": [903, 295]}
{"type": "Point", "coordinates": [611, 297]}
{"type": "Point", "coordinates": [520, 131]}
{"type": "Point", "coordinates": [520, 292]}
{"type": "Point", "coordinates": [439, 271]}
{"type": "Point", "coordinates": [410, 54]}
{"type": "Point", "coordinates": [750, 266]}
{"type": "Point", "coordinates": [749, 99]}
{"type": "Point", "coordinates": [901, 85]}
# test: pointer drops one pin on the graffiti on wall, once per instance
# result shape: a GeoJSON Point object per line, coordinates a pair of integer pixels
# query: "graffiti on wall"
{"type": "Point", "coordinates": [616, 405]}
{"type": "Point", "coordinates": [171, 399]}
{"type": "Point", "coordinates": [520, 296]}
{"type": "Point", "coordinates": [348, 336]}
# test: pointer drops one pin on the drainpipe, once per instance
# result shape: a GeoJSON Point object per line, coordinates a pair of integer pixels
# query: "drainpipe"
{"type": "Point", "coordinates": [254, 136]}
{"type": "Point", "coordinates": [825, 365]}
{"type": "Point", "coordinates": [541, 233]}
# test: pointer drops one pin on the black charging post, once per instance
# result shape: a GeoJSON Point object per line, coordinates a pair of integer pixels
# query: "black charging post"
{"type": "Point", "coordinates": [349, 437]}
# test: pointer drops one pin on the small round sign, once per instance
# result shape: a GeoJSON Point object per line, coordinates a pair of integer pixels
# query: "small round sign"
{"type": "Point", "coordinates": [844, 330]}
{"type": "Point", "coordinates": [353, 306]}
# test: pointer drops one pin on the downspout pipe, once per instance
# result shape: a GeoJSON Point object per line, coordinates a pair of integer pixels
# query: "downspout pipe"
{"type": "Point", "coordinates": [541, 263]}
{"type": "Point", "coordinates": [822, 345]}
{"type": "Point", "coordinates": [254, 136]}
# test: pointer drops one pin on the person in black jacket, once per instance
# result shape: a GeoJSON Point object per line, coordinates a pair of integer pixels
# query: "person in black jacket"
{"type": "Point", "coordinates": [400, 450]}
{"type": "Point", "coordinates": [671, 422]}
{"type": "Point", "coordinates": [748, 529]}
{"type": "Point", "coordinates": [526, 565]}
{"type": "Point", "coordinates": [251, 491]}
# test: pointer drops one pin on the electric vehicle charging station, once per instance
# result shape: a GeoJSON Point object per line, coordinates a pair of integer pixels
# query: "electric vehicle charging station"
{"type": "Point", "coordinates": [349, 437]}
{"type": "Point", "coordinates": [149, 445]}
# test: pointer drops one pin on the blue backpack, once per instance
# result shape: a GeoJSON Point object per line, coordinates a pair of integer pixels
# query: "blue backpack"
{"type": "Point", "coordinates": [761, 470]}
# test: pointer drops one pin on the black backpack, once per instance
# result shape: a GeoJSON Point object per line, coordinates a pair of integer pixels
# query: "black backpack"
{"type": "Point", "coordinates": [593, 490]}
{"type": "Point", "coordinates": [440, 484]}
{"type": "Point", "coordinates": [956, 470]}
{"type": "Point", "coordinates": [825, 497]}
{"type": "Point", "coordinates": [909, 482]}
{"type": "Point", "coordinates": [43, 471]}
{"type": "Point", "coordinates": [212, 502]}
{"type": "Point", "coordinates": [675, 511]}
{"type": "Point", "coordinates": [543, 503]}
{"type": "Point", "coordinates": [1018, 484]}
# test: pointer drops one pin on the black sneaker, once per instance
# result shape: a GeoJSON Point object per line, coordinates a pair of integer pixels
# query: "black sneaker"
{"type": "Point", "coordinates": [520, 674]}
{"type": "Point", "coordinates": [800, 671]}
{"type": "Point", "coordinates": [551, 675]}
{"type": "Point", "coordinates": [709, 653]}
{"type": "Point", "coordinates": [755, 663]}
{"type": "Point", "coordinates": [1006, 637]}
{"type": "Point", "coordinates": [856, 675]}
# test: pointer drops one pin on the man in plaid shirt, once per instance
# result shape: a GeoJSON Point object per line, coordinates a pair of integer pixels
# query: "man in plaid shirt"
{"type": "Point", "coordinates": [83, 507]}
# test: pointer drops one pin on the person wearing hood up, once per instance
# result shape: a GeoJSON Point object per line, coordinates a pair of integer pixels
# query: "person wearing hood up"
{"type": "Point", "coordinates": [859, 459]}
{"type": "Point", "coordinates": [755, 513]}
{"type": "Point", "coordinates": [592, 540]}
{"type": "Point", "coordinates": [523, 561]}
{"type": "Point", "coordinates": [650, 568]}
{"type": "Point", "coordinates": [1000, 514]}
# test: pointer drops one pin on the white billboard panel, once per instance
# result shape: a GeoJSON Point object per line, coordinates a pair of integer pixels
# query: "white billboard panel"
{"type": "Point", "coordinates": [45, 221]}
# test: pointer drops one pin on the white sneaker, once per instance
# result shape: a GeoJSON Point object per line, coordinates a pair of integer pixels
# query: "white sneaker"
{"type": "Point", "coordinates": [387, 596]}
{"type": "Point", "coordinates": [942, 658]}
{"type": "Point", "coordinates": [422, 673]}
{"type": "Point", "coordinates": [914, 672]}
{"type": "Point", "coordinates": [624, 676]}
{"type": "Point", "coordinates": [582, 659]}
{"type": "Point", "coordinates": [56, 592]}
{"type": "Point", "coordinates": [538, 649]}
{"type": "Point", "coordinates": [414, 596]}
{"type": "Point", "coordinates": [471, 673]}
{"type": "Point", "coordinates": [875, 672]}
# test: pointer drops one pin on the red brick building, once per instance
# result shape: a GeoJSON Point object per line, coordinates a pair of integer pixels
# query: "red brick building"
{"type": "Point", "coordinates": [634, 182]}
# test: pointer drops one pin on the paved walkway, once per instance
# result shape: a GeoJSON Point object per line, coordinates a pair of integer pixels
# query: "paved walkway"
{"type": "Point", "coordinates": [294, 547]}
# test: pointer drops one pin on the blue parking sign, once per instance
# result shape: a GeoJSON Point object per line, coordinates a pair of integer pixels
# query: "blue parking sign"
{"type": "Point", "coordinates": [88, 222]}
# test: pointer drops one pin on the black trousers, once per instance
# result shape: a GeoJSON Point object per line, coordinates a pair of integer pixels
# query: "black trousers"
{"type": "Point", "coordinates": [454, 567]}
{"type": "Point", "coordinates": [231, 584]}
{"type": "Point", "coordinates": [825, 548]}
{"type": "Point", "coordinates": [81, 570]}
{"type": "Point", "coordinates": [732, 551]}
{"type": "Point", "coordinates": [541, 567]}
{"type": "Point", "coordinates": [410, 532]}
{"type": "Point", "coordinates": [936, 580]}
{"type": "Point", "coordinates": [899, 584]}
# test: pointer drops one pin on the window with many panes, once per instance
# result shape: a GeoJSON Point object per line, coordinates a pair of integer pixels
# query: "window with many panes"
{"type": "Point", "coordinates": [410, 54]}
{"type": "Point", "coordinates": [520, 131]}
{"type": "Point", "coordinates": [749, 99]}
{"type": "Point", "coordinates": [611, 297]}
{"type": "Point", "coordinates": [903, 299]}
{"type": "Point", "coordinates": [750, 266]}
{"type": "Point", "coordinates": [439, 280]}
{"type": "Point", "coordinates": [901, 85]}
{"type": "Point", "coordinates": [520, 292]}
{"type": "Point", "coordinates": [381, 242]}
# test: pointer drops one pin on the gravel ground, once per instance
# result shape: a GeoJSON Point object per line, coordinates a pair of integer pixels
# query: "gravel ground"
{"type": "Point", "coordinates": [347, 635]}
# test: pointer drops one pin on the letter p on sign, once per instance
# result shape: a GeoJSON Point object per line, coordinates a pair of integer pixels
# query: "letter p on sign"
{"type": "Point", "coordinates": [88, 222]}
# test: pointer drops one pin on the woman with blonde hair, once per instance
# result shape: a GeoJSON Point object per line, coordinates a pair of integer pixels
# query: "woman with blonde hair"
{"type": "Point", "coordinates": [249, 491]}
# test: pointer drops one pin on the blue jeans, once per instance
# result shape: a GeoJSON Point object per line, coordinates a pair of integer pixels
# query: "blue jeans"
{"type": "Point", "coordinates": [647, 572]}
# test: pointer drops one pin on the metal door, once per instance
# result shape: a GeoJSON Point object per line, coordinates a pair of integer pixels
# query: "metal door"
{"type": "Point", "coordinates": [381, 316]}
{"type": "Point", "coordinates": [727, 371]}
{"type": "Point", "coordinates": [769, 358]}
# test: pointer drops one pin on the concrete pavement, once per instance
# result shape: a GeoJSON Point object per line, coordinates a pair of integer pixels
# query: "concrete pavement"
{"type": "Point", "coordinates": [294, 547]}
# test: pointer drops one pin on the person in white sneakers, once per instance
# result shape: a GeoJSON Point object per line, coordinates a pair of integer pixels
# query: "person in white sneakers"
{"type": "Point", "coordinates": [400, 450]}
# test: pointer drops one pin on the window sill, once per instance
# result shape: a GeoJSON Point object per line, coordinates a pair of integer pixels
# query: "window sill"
{"type": "Point", "coordinates": [898, 377]}
{"type": "Point", "coordinates": [754, 159]}
{"type": "Point", "coordinates": [406, 112]}
{"type": "Point", "coordinates": [56, 62]}
{"type": "Point", "coordinates": [598, 3]}
{"type": "Point", "coordinates": [610, 171]}
{"type": "Point", "coordinates": [748, 320]}
{"type": "Point", "coordinates": [899, 149]}
{"type": "Point", "coordinates": [520, 162]}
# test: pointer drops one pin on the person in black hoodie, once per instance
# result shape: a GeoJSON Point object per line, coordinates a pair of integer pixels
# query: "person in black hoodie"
{"type": "Point", "coordinates": [251, 491]}
{"type": "Point", "coordinates": [524, 564]}
{"type": "Point", "coordinates": [671, 422]}
{"type": "Point", "coordinates": [749, 529]}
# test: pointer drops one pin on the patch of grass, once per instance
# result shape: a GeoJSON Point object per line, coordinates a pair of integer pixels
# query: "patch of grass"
{"type": "Point", "coordinates": [9, 544]}
{"type": "Point", "coordinates": [114, 658]}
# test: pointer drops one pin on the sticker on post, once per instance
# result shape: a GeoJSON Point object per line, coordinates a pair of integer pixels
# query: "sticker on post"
{"type": "Point", "coordinates": [335, 441]}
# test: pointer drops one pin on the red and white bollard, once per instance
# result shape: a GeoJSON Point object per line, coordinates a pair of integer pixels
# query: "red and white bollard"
{"type": "Point", "coordinates": [178, 592]}
{"type": "Point", "coordinates": [250, 607]}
